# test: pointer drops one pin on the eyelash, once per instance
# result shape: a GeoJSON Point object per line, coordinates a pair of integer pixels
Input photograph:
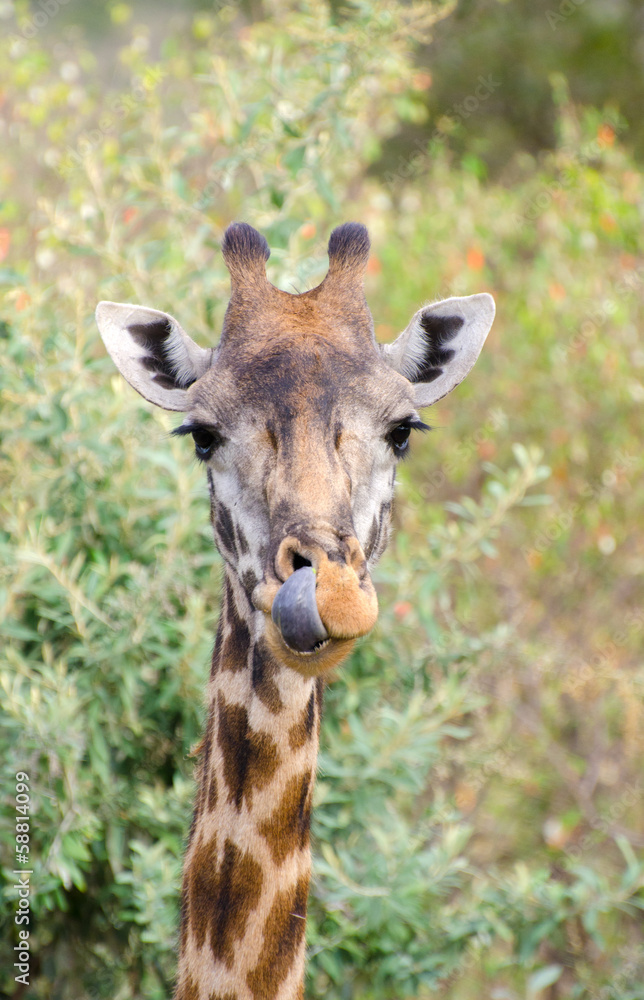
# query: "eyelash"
{"type": "Point", "coordinates": [403, 430]}
{"type": "Point", "coordinates": [206, 440]}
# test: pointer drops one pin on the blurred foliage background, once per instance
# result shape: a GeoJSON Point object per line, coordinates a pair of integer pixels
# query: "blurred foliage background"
{"type": "Point", "coordinates": [479, 823]}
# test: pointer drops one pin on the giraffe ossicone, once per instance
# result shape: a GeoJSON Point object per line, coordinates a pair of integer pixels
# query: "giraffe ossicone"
{"type": "Point", "coordinates": [300, 418]}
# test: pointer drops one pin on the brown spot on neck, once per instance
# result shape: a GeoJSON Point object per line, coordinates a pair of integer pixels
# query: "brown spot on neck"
{"type": "Point", "coordinates": [283, 936]}
{"type": "Point", "coordinates": [250, 758]}
{"type": "Point", "coordinates": [189, 990]}
{"type": "Point", "coordinates": [221, 896]}
{"type": "Point", "coordinates": [212, 793]}
{"type": "Point", "coordinates": [287, 828]}
{"type": "Point", "coordinates": [204, 765]}
{"type": "Point", "coordinates": [234, 648]}
{"type": "Point", "coordinates": [265, 668]}
{"type": "Point", "coordinates": [301, 732]}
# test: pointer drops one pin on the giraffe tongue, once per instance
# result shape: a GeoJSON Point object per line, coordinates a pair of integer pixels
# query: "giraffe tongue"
{"type": "Point", "coordinates": [295, 612]}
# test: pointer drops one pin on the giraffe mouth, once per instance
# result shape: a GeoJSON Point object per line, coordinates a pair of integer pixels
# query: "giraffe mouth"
{"type": "Point", "coordinates": [295, 613]}
{"type": "Point", "coordinates": [319, 646]}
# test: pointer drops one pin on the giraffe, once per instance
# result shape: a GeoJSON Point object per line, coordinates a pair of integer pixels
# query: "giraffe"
{"type": "Point", "coordinates": [300, 419]}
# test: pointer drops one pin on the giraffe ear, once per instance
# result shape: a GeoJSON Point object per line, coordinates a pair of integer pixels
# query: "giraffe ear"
{"type": "Point", "coordinates": [152, 352]}
{"type": "Point", "coordinates": [441, 344]}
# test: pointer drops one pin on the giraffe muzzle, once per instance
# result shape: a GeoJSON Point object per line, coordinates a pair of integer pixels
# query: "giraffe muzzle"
{"type": "Point", "coordinates": [295, 612]}
{"type": "Point", "coordinates": [331, 597]}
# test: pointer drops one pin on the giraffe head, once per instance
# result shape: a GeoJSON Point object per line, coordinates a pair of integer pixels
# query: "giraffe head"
{"type": "Point", "coordinates": [300, 418]}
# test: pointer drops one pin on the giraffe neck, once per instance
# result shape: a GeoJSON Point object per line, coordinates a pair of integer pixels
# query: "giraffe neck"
{"type": "Point", "coordinates": [248, 863]}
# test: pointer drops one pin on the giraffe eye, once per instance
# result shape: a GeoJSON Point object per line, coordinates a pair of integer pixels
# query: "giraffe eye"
{"type": "Point", "coordinates": [205, 440]}
{"type": "Point", "coordinates": [399, 438]}
{"type": "Point", "coordinates": [205, 443]}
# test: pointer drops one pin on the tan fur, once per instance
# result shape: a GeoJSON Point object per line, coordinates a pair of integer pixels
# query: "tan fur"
{"type": "Point", "coordinates": [348, 606]}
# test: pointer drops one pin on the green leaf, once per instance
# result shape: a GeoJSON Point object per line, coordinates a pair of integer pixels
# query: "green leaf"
{"type": "Point", "coordinates": [536, 500]}
{"type": "Point", "coordinates": [10, 277]}
{"type": "Point", "coordinates": [325, 190]}
{"type": "Point", "coordinates": [545, 976]}
{"type": "Point", "coordinates": [294, 159]}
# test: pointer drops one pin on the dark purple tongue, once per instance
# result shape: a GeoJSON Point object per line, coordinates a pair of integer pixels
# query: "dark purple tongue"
{"type": "Point", "coordinates": [295, 612]}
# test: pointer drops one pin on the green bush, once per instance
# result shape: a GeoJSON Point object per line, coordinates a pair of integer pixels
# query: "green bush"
{"type": "Point", "coordinates": [480, 775]}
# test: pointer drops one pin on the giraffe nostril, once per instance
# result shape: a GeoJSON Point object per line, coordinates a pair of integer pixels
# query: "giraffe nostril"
{"type": "Point", "coordinates": [291, 556]}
